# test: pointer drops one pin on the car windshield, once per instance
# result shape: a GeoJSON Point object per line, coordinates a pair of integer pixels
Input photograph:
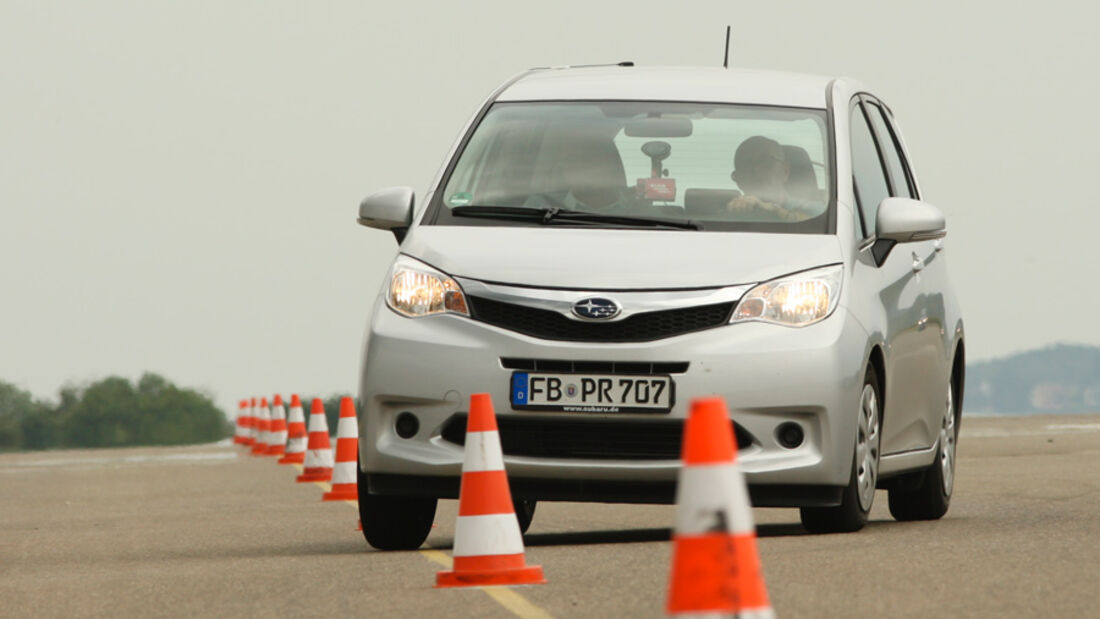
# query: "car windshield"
{"type": "Point", "coordinates": [723, 167]}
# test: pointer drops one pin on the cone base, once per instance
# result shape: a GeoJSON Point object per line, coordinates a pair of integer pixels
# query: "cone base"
{"type": "Point", "coordinates": [528, 575]}
{"type": "Point", "coordinates": [259, 449]}
{"type": "Point", "coordinates": [310, 477]}
{"type": "Point", "coordinates": [238, 440]}
{"type": "Point", "coordinates": [275, 450]}
{"type": "Point", "coordinates": [292, 459]}
{"type": "Point", "coordinates": [341, 494]}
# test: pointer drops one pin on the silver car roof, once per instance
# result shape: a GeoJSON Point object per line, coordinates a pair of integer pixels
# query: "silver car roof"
{"type": "Point", "coordinates": [703, 84]}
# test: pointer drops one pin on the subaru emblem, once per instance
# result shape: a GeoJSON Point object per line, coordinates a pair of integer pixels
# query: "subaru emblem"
{"type": "Point", "coordinates": [596, 308]}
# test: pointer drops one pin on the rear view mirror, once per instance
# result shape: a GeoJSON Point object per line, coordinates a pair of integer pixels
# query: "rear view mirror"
{"type": "Point", "coordinates": [655, 127]}
{"type": "Point", "coordinates": [903, 220]}
{"type": "Point", "coordinates": [389, 209]}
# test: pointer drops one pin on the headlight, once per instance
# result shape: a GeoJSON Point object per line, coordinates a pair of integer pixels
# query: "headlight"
{"type": "Point", "coordinates": [416, 289]}
{"type": "Point", "coordinates": [796, 300]}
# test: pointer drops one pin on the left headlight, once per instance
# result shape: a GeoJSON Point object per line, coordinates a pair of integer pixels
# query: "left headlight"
{"type": "Point", "coordinates": [795, 300]}
{"type": "Point", "coordinates": [417, 290]}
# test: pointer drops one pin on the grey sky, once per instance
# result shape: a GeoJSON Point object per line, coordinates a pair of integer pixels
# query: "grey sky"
{"type": "Point", "coordinates": [179, 181]}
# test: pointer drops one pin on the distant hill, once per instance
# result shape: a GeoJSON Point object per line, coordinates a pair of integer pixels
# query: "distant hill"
{"type": "Point", "coordinates": [1063, 378]}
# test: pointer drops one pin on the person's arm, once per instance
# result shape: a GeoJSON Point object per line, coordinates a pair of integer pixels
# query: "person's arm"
{"type": "Point", "coordinates": [785, 211]}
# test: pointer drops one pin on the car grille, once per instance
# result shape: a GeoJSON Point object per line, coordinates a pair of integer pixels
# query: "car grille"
{"type": "Point", "coordinates": [550, 325]}
{"type": "Point", "coordinates": [593, 439]}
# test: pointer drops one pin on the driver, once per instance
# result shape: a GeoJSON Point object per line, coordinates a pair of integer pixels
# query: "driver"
{"type": "Point", "coordinates": [761, 171]}
{"type": "Point", "coordinates": [592, 177]}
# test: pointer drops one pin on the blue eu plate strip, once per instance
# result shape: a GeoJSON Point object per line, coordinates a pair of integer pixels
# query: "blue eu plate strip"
{"type": "Point", "coordinates": [519, 388]}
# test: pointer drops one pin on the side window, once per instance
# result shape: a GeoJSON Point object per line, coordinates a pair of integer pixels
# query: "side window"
{"type": "Point", "coordinates": [905, 162]}
{"type": "Point", "coordinates": [899, 180]}
{"type": "Point", "coordinates": [868, 177]}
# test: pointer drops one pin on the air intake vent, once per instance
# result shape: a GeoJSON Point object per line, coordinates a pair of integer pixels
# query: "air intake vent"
{"type": "Point", "coordinates": [595, 367]}
{"type": "Point", "coordinates": [589, 439]}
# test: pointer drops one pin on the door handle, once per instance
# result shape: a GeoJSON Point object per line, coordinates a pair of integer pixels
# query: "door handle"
{"type": "Point", "coordinates": [918, 264]}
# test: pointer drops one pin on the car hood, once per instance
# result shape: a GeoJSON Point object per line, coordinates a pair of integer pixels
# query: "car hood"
{"type": "Point", "coordinates": [602, 259]}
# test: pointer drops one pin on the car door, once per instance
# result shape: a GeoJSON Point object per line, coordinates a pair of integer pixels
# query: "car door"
{"type": "Point", "coordinates": [931, 269]}
{"type": "Point", "coordinates": [905, 305]}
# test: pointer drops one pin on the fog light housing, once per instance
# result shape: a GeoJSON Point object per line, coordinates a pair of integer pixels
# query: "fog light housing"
{"type": "Point", "coordinates": [790, 435]}
{"type": "Point", "coordinates": [406, 425]}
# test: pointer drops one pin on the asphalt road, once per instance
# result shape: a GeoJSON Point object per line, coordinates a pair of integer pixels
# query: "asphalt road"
{"type": "Point", "coordinates": [207, 530]}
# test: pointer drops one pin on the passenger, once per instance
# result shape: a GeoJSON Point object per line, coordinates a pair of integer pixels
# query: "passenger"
{"type": "Point", "coordinates": [761, 171]}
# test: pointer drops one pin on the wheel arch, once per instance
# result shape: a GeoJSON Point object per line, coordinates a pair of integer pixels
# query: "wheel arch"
{"type": "Point", "coordinates": [958, 378]}
{"type": "Point", "coordinates": [877, 360]}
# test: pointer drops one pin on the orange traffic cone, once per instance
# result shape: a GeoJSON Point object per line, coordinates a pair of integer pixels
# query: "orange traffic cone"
{"type": "Point", "coordinates": [344, 479]}
{"type": "Point", "coordinates": [296, 433]}
{"type": "Point", "coordinates": [318, 464]}
{"type": "Point", "coordinates": [242, 420]}
{"type": "Point", "coordinates": [715, 567]}
{"type": "Point", "coordinates": [263, 428]}
{"type": "Point", "coordinates": [277, 437]}
{"type": "Point", "coordinates": [250, 423]}
{"type": "Point", "coordinates": [488, 547]}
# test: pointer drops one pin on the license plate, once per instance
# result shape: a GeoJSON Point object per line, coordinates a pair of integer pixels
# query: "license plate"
{"type": "Point", "coordinates": [591, 393]}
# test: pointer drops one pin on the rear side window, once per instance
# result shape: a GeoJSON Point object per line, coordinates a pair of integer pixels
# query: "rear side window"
{"type": "Point", "coordinates": [868, 175]}
{"type": "Point", "coordinates": [899, 179]}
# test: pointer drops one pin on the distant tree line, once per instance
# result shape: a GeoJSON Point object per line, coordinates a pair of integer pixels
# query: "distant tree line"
{"type": "Point", "coordinates": [1062, 378]}
{"type": "Point", "coordinates": [113, 412]}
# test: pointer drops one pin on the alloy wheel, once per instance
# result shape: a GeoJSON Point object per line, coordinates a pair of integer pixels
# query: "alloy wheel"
{"type": "Point", "coordinates": [947, 443]}
{"type": "Point", "coordinates": [867, 447]}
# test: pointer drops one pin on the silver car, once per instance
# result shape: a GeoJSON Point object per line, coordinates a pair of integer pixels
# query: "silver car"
{"type": "Point", "coordinates": [604, 244]}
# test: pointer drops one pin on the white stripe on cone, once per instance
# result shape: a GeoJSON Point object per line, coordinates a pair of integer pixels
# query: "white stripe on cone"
{"type": "Point", "coordinates": [265, 422]}
{"type": "Point", "coordinates": [250, 431]}
{"type": "Point", "coordinates": [489, 534]}
{"type": "Point", "coordinates": [318, 458]}
{"type": "Point", "coordinates": [347, 427]}
{"type": "Point", "coordinates": [278, 437]}
{"type": "Point", "coordinates": [483, 452]}
{"type": "Point", "coordinates": [344, 473]}
{"type": "Point", "coordinates": [296, 445]}
{"type": "Point", "coordinates": [713, 489]}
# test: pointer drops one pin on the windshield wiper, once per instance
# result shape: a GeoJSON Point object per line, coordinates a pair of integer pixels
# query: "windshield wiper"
{"type": "Point", "coordinates": [551, 214]}
{"type": "Point", "coordinates": [502, 212]}
{"type": "Point", "coordinates": [623, 220]}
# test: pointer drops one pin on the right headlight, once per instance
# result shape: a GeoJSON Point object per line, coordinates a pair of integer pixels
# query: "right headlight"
{"type": "Point", "coordinates": [416, 289]}
{"type": "Point", "coordinates": [795, 300]}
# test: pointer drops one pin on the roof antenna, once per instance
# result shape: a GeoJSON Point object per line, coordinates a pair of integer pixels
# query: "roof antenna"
{"type": "Point", "coordinates": [726, 59]}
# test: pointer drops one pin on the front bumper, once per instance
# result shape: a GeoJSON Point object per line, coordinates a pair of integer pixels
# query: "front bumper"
{"type": "Point", "coordinates": [767, 374]}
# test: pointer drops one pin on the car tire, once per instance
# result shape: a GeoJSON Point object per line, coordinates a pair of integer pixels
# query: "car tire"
{"type": "Point", "coordinates": [394, 522]}
{"type": "Point", "coordinates": [859, 495]}
{"type": "Point", "coordinates": [525, 512]}
{"type": "Point", "coordinates": [926, 495]}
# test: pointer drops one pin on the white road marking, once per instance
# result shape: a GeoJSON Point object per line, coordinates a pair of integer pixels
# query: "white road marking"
{"type": "Point", "coordinates": [135, 459]}
{"type": "Point", "coordinates": [1048, 430]}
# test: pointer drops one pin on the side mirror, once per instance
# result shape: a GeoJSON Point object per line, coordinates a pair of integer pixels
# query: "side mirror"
{"type": "Point", "coordinates": [902, 220]}
{"type": "Point", "coordinates": [389, 209]}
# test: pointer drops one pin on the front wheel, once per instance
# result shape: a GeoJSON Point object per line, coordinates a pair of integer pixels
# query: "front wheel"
{"type": "Point", "coordinates": [928, 494]}
{"type": "Point", "coordinates": [855, 506]}
{"type": "Point", "coordinates": [394, 522]}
